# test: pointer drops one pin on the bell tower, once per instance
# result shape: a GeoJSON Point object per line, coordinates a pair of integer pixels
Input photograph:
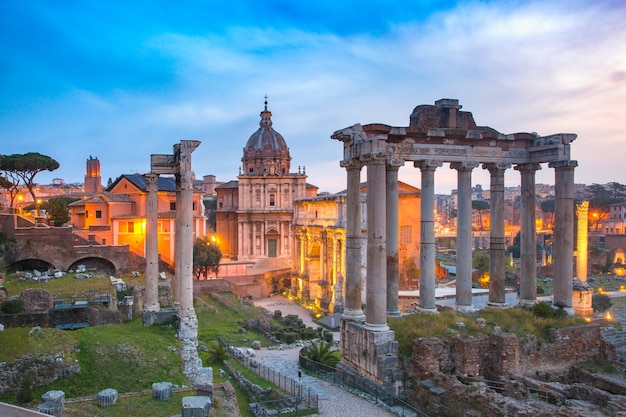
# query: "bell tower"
{"type": "Point", "coordinates": [93, 182]}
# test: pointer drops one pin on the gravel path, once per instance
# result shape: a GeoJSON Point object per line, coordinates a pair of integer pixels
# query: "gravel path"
{"type": "Point", "coordinates": [333, 400]}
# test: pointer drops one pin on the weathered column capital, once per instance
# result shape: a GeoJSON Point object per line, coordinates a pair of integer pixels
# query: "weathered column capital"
{"type": "Point", "coordinates": [563, 164]}
{"type": "Point", "coordinates": [427, 164]}
{"type": "Point", "coordinates": [374, 158]}
{"type": "Point", "coordinates": [527, 167]}
{"type": "Point", "coordinates": [463, 166]}
{"type": "Point", "coordinates": [394, 164]}
{"type": "Point", "coordinates": [582, 207]}
{"type": "Point", "coordinates": [351, 164]}
{"type": "Point", "coordinates": [496, 168]}
{"type": "Point", "coordinates": [152, 181]}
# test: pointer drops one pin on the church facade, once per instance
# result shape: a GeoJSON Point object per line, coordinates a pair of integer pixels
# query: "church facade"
{"type": "Point", "coordinates": [254, 213]}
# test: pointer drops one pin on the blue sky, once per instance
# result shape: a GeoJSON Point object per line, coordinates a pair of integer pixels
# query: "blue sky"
{"type": "Point", "coordinates": [121, 80]}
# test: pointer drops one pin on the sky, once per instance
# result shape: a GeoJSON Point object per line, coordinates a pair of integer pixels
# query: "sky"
{"type": "Point", "coordinates": [121, 80]}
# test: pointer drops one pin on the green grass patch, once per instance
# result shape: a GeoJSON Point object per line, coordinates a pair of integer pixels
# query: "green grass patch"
{"type": "Point", "coordinates": [127, 357]}
{"type": "Point", "coordinates": [16, 342]}
{"type": "Point", "coordinates": [445, 324]}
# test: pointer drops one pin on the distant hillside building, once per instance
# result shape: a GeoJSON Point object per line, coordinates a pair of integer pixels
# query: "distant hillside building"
{"type": "Point", "coordinates": [117, 216]}
{"type": "Point", "coordinates": [93, 181]}
{"type": "Point", "coordinates": [254, 213]}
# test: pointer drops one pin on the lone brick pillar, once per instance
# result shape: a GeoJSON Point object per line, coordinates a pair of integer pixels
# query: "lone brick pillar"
{"type": "Point", "coordinates": [428, 248]}
{"type": "Point", "coordinates": [563, 233]}
{"type": "Point", "coordinates": [353, 309]}
{"type": "Point", "coordinates": [376, 286]}
{"type": "Point", "coordinates": [464, 236]}
{"type": "Point", "coordinates": [152, 244]}
{"type": "Point", "coordinates": [392, 237]}
{"type": "Point", "coordinates": [497, 246]}
{"type": "Point", "coordinates": [528, 235]}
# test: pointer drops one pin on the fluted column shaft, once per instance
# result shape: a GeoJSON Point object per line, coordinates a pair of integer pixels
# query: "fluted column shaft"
{"type": "Point", "coordinates": [152, 244]}
{"type": "Point", "coordinates": [184, 231]}
{"type": "Point", "coordinates": [428, 248]}
{"type": "Point", "coordinates": [464, 236]}
{"type": "Point", "coordinates": [353, 309]}
{"type": "Point", "coordinates": [392, 238]}
{"type": "Point", "coordinates": [582, 240]}
{"type": "Point", "coordinates": [376, 287]}
{"type": "Point", "coordinates": [497, 246]}
{"type": "Point", "coordinates": [563, 232]}
{"type": "Point", "coordinates": [528, 235]}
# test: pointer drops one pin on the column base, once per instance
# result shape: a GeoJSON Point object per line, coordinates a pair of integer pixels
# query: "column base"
{"type": "Point", "coordinates": [353, 315]}
{"type": "Point", "coordinates": [394, 313]}
{"type": "Point", "coordinates": [427, 310]}
{"type": "Point", "coordinates": [497, 306]}
{"type": "Point", "coordinates": [151, 308]}
{"type": "Point", "coordinates": [526, 303]}
{"type": "Point", "coordinates": [376, 327]}
{"type": "Point", "coordinates": [465, 309]}
{"type": "Point", "coordinates": [582, 301]}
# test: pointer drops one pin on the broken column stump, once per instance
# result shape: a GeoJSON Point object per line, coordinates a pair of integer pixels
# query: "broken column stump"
{"type": "Point", "coordinates": [162, 391]}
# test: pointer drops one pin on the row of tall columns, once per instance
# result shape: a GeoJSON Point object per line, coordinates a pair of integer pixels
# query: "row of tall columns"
{"type": "Point", "coordinates": [497, 245]}
{"type": "Point", "coordinates": [528, 235]}
{"type": "Point", "coordinates": [382, 237]}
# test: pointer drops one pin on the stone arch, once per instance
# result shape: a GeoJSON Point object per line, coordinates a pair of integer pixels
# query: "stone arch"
{"type": "Point", "coordinates": [95, 263]}
{"type": "Point", "coordinates": [30, 264]}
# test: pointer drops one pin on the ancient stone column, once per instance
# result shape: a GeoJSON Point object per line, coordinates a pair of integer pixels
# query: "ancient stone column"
{"type": "Point", "coordinates": [376, 281]}
{"type": "Point", "coordinates": [528, 235]}
{"type": "Point", "coordinates": [582, 240]}
{"type": "Point", "coordinates": [563, 233]}
{"type": "Point", "coordinates": [184, 228]}
{"type": "Point", "coordinates": [392, 237]}
{"type": "Point", "coordinates": [353, 310]}
{"type": "Point", "coordinates": [497, 245]}
{"type": "Point", "coordinates": [428, 248]}
{"type": "Point", "coordinates": [177, 247]}
{"type": "Point", "coordinates": [464, 236]}
{"type": "Point", "coordinates": [152, 245]}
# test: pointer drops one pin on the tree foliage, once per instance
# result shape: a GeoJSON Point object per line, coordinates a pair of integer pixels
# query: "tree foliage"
{"type": "Point", "coordinates": [58, 211]}
{"type": "Point", "coordinates": [480, 262]}
{"type": "Point", "coordinates": [600, 199]}
{"type": "Point", "coordinates": [481, 206]}
{"type": "Point", "coordinates": [323, 353]}
{"type": "Point", "coordinates": [206, 257]}
{"type": "Point", "coordinates": [21, 169]}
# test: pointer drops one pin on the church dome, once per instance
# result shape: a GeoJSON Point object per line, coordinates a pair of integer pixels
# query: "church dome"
{"type": "Point", "coordinates": [266, 152]}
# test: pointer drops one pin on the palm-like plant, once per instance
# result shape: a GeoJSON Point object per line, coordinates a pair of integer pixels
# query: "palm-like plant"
{"type": "Point", "coordinates": [323, 353]}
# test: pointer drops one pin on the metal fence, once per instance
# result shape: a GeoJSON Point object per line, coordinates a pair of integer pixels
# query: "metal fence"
{"type": "Point", "coordinates": [300, 401]}
{"type": "Point", "coordinates": [362, 385]}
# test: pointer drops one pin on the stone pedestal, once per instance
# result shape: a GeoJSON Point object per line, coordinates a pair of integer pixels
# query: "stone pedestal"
{"type": "Point", "coordinates": [203, 382]}
{"type": "Point", "coordinates": [581, 301]}
{"type": "Point", "coordinates": [107, 397]}
{"type": "Point", "coordinates": [196, 406]}
{"type": "Point", "coordinates": [370, 354]}
{"type": "Point", "coordinates": [53, 402]}
{"type": "Point", "coordinates": [162, 391]}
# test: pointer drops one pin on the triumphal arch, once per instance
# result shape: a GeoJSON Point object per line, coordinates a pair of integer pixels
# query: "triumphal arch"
{"type": "Point", "coordinates": [442, 134]}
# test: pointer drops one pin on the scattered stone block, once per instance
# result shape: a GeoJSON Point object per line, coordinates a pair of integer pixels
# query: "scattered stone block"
{"type": "Point", "coordinates": [55, 396]}
{"type": "Point", "coordinates": [481, 322]}
{"type": "Point", "coordinates": [107, 397]}
{"type": "Point", "coordinates": [162, 391]}
{"type": "Point", "coordinates": [203, 382]}
{"type": "Point", "coordinates": [51, 409]}
{"type": "Point", "coordinates": [256, 344]}
{"type": "Point", "coordinates": [198, 406]}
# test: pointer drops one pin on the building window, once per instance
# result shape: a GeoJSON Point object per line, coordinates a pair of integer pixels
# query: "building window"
{"type": "Point", "coordinates": [272, 200]}
{"type": "Point", "coordinates": [131, 227]}
{"type": "Point", "coordinates": [193, 205]}
{"type": "Point", "coordinates": [86, 214]}
{"type": "Point", "coordinates": [405, 234]}
{"type": "Point", "coordinates": [173, 205]}
{"type": "Point", "coordinates": [98, 214]}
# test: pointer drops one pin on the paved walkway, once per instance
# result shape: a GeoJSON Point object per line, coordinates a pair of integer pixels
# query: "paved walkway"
{"type": "Point", "coordinates": [333, 400]}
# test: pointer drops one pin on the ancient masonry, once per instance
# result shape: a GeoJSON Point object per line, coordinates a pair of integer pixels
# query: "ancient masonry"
{"type": "Point", "coordinates": [442, 134]}
{"type": "Point", "coordinates": [179, 165]}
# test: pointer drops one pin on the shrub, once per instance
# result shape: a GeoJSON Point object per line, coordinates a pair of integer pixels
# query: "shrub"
{"type": "Point", "coordinates": [546, 311]}
{"type": "Point", "coordinates": [13, 306]}
{"type": "Point", "coordinates": [25, 393]}
{"type": "Point", "coordinates": [600, 302]}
